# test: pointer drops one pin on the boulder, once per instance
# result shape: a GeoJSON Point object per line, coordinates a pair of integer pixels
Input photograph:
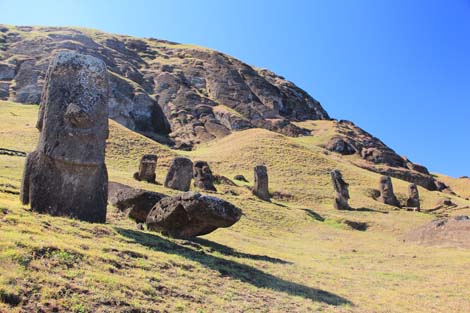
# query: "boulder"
{"type": "Point", "coordinates": [66, 175]}
{"type": "Point", "coordinates": [203, 177]}
{"type": "Point", "coordinates": [191, 214]}
{"type": "Point", "coordinates": [147, 167]}
{"type": "Point", "coordinates": [261, 182]}
{"type": "Point", "coordinates": [341, 146]}
{"type": "Point", "coordinates": [387, 195]}
{"type": "Point", "coordinates": [341, 190]}
{"type": "Point", "coordinates": [7, 71]}
{"type": "Point", "coordinates": [137, 203]}
{"type": "Point", "coordinates": [179, 174]}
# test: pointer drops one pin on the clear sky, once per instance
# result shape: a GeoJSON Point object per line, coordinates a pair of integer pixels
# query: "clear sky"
{"type": "Point", "coordinates": [400, 69]}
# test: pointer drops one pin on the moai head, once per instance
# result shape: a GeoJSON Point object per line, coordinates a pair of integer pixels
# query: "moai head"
{"type": "Point", "coordinates": [385, 185]}
{"type": "Point", "coordinates": [203, 176]}
{"type": "Point", "coordinates": [179, 174]}
{"type": "Point", "coordinates": [341, 187]}
{"type": "Point", "coordinates": [413, 191]}
{"type": "Point", "coordinates": [261, 182]}
{"type": "Point", "coordinates": [73, 116]}
{"type": "Point", "coordinates": [147, 167]}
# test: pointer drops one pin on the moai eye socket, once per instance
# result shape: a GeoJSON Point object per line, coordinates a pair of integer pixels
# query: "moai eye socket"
{"type": "Point", "coordinates": [77, 116]}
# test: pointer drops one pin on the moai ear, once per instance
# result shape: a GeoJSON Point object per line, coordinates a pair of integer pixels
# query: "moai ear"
{"type": "Point", "coordinates": [40, 121]}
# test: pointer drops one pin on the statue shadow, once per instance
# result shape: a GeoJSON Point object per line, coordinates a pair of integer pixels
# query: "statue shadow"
{"type": "Point", "coordinates": [314, 215]}
{"type": "Point", "coordinates": [225, 250]}
{"type": "Point", "coordinates": [242, 272]}
{"type": "Point", "coordinates": [367, 210]}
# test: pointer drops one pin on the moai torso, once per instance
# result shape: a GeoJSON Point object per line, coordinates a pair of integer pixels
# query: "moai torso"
{"type": "Point", "coordinates": [387, 195]}
{"type": "Point", "coordinates": [261, 182]}
{"type": "Point", "coordinates": [147, 167]}
{"type": "Point", "coordinates": [179, 174]}
{"type": "Point", "coordinates": [413, 197]}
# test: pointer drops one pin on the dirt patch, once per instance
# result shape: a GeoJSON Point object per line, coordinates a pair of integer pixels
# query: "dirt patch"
{"type": "Point", "coordinates": [448, 232]}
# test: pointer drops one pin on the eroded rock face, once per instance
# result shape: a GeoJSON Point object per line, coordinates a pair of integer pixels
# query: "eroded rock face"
{"type": "Point", "coordinates": [161, 87]}
{"type": "Point", "coordinates": [66, 174]}
{"type": "Point", "coordinates": [191, 214]}
{"type": "Point", "coordinates": [137, 203]}
{"type": "Point", "coordinates": [147, 167]}
{"type": "Point", "coordinates": [261, 182]}
{"type": "Point", "coordinates": [413, 197]}
{"type": "Point", "coordinates": [387, 195]}
{"type": "Point", "coordinates": [341, 191]}
{"type": "Point", "coordinates": [203, 177]}
{"type": "Point", "coordinates": [179, 174]}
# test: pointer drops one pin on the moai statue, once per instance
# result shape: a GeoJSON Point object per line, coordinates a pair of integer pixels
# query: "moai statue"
{"type": "Point", "coordinates": [260, 187]}
{"type": "Point", "coordinates": [147, 166]}
{"type": "Point", "coordinates": [202, 175]}
{"type": "Point", "coordinates": [341, 189]}
{"type": "Point", "coordinates": [386, 192]}
{"type": "Point", "coordinates": [179, 174]}
{"type": "Point", "coordinates": [66, 174]}
{"type": "Point", "coordinates": [413, 197]}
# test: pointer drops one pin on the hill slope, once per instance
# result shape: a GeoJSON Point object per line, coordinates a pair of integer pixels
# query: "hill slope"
{"type": "Point", "coordinates": [286, 256]}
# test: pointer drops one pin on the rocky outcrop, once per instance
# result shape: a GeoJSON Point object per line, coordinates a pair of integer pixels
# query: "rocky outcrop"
{"type": "Point", "coordinates": [191, 214]}
{"type": "Point", "coordinates": [66, 174]}
{"type": "Point", "coordinates": [137, 203]}
{"type": "Point", "coordinates": [158, 87]}
{"type": "Point", "coordinates": [448, 232]}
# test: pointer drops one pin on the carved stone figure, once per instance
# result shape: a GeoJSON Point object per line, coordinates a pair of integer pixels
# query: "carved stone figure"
{"type": "Point", "coordinates": [261, 183]}
{"type": "Point", "coordinates": [147, 167]}
{"type": "Point", "coordinates": [179, 174]}
{"type": "Point", "coordinates": [387, 195]}
{"type": "Point", "coordinates": [341, 189]}
{"type": "Point", "coordinates": [203, 177]}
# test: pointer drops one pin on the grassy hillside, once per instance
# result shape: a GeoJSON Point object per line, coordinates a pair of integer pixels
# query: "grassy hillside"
{"type": "Point", "coordinates": [285, 256]}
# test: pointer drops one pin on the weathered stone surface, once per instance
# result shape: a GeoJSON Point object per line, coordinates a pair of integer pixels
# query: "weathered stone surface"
{"type": "Point", "coordinates": [4, 90]}
{"type": "Point", "coordinates": [147, 167]}
{"type": "Point", "coordinates": [261, 182]}
{"type": "Point", "coordinates": [445, 232]}
{"type": "Point", "coordinates": [191, 214]}
{"type": "Point", "coordinates": [137, 203]}
{"type": "Point", "coordinates": [341, 146]}
{"type": "Point", "coordinates": [66, 175]}
{"type": "Point", "coordinates": [341, 191]}
{"type": "Point", "coordinates": [203, 177]}
{"type": "Point", "coordinates": [413, 197]}
{"type": "Point", "coordinates": [7, 71]}
{"type": "Point", "coordinates": [387, 195]}
{"type": "Point", "coordinates": [179, 174]}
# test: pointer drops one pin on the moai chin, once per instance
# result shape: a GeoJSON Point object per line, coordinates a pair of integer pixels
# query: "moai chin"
{"type": "Point", "coordinates": [261, 182]}
{"type": "Point", "coordinates": [341, 189]}
{"type": "Point", "coordinates": [413, 197]}
{"type": "Point", "coordinates": [202, 175]}
{"type": "Point", "coordinates": [147, 167]}
{"type": "Point", "coordinates": [179, 174]}
{"type": "Point", "coordinates": [387, 195]}
{"type": "Point", "coordinates": [66, 175]}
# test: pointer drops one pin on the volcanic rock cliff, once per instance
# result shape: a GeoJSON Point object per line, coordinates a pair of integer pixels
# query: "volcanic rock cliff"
{"type": "Point", "coordinates": [183, 95]}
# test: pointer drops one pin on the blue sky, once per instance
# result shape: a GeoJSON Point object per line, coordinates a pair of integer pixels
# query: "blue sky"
{"type": "Point", "coordinates": [399, 69]}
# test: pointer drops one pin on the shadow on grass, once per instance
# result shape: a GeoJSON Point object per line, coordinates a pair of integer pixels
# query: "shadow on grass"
{"type": "Point", "coordinates": [368, 210]}
{"type": "Point", "coordinates": [314, 215]}
{"type": "Point", "coordinates": [235, 270]}
{"type": "Point", "coordinates": [232, 252]}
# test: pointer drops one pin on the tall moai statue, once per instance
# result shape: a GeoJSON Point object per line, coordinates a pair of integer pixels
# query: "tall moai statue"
{"type": "Point", "coordinates": [341, 189]}
{"type": "Point", "coordinates": [413, 197]}
{"type": "Point", "coordinates": [202, 175]}
{"type": "Point", "coordinates": [387, 195]}
{"type": "Point", "coordinates": [261, 182]}
{"type": "Point", "coordinates": [66, 174]}
{"type": "Point", "coordinates": [147, 167]}
{"type": "Point", "coordinates": [179, 174]}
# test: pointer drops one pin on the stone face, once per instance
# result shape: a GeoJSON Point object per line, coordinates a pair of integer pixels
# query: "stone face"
{"type": "Point", "coordinates": [66, 174]}
{"type": "Point", "coordinates": [137, 203]}
{"type": "Point", "coordinates": [191, 214]}
{"type": "Point", "coordinates": [203, 177]}
{"type": "Point", "coordinates": [341, 189]}
{"type": "Point", "coordinates": [261, 183]}
{"type": "Point", "coordinates": [179, 174]}
{"type": "Point", "coordinates": [147, 167]}
{"type": "Point", "coordinates": [387, 195]}
{"type": "Point", "coordinates": [413, 197]}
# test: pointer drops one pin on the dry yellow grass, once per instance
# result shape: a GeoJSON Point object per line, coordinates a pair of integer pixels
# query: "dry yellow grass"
{"type": "Point", "coordinates": [294, 256]}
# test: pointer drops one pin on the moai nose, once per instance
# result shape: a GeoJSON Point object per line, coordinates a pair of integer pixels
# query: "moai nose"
{"type": "Point", "coordinates": [77, 117]}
